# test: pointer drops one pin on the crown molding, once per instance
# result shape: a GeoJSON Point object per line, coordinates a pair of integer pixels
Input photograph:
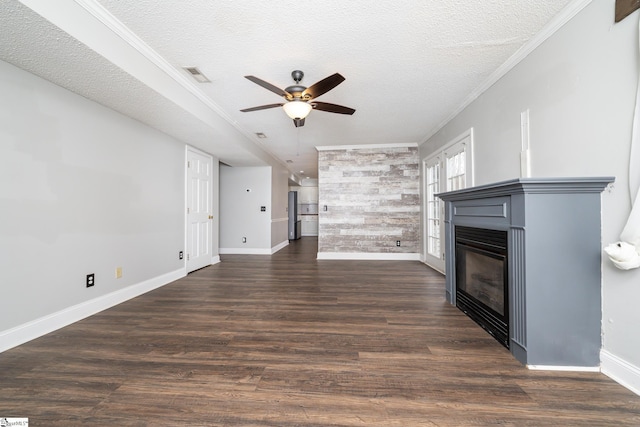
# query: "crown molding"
{"type": "Point", "coordinates": [117, 27]}
{"type": "Point", "coordinates": [547, 31]}
{"type": "Point", "coordinates": [366, 146]}
{"type": "Point", "coordinates": [150, 67]}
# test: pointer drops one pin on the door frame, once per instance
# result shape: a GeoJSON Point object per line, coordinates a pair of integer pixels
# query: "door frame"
{"type": "Point", "coordinates": [464, 141]}
{"type": "Point", "coordinates": [433, 262]}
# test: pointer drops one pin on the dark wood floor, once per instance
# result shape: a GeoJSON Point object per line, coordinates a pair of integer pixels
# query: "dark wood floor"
{"type": "Point", "coordinates": [290, 341]}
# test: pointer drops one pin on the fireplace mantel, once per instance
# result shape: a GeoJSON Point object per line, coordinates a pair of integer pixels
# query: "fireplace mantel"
{"type": "Point", "coordinates": [554, 251]}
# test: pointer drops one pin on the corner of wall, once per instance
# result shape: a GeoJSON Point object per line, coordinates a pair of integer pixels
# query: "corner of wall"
{"type": "Point", "coordinates": [620, 371]}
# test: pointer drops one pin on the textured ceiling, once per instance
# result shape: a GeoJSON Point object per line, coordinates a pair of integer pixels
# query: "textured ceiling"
{"type": "Point", "coordinates": [409, 65]}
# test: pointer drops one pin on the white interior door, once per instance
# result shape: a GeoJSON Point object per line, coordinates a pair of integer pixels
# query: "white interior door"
{"type": "Point", "coordinates": [199, 210]}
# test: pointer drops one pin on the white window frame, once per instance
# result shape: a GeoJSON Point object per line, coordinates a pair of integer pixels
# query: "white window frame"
{"type": "Point", "coordinates": [432, 217]}
{"type": "Point", "coordinates": [462, 143]}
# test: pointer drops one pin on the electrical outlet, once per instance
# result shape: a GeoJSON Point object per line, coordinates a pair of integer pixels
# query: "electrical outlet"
{"type": "Point", "coordinates": [180, 255]}
{"type": "Point", "coordinates": [90, 280]}
{"type": "Point", "coordinates": [244, 240]}
{"type": "Point", "coordinates": [397, 242]}
{"type": "Point", "coordinates": [118, 272]}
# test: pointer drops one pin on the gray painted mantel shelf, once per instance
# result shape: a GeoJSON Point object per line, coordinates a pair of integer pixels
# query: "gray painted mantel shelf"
{"type": "Point", "coordinates": [554, 262]}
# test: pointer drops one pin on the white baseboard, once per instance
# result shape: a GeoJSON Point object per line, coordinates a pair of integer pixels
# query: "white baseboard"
{"type": "Point", "coordinates": [244, 251]}
{"type": "Point", "coordinates": [620, 371]}
{"type": "Point", "coordinates": [253, 251]}
{"type": "Point", "coordinates": [564, 368]}
{"type": "Point", "coordinates": [378, 256]}
{"type": "Point", "coordinates": [36, 328]}
{"type": "Point", "coordinates": [279, 246]}
{"type": "Point", "coordinates": [215, 259]}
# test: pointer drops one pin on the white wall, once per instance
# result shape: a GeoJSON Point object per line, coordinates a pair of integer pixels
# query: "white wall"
{"type": "Point", "coordinates": [83, 190]}
{"type": "Point", "coordinates": [579, 86]}
{"type": "Point", "coordinates": [240, 214]}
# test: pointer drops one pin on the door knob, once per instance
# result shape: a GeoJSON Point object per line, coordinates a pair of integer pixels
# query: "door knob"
{"type": "Point", "coordinates": [210, 216]}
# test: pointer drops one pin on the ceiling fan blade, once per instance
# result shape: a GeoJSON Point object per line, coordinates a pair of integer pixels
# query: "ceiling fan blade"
{"type": "Point", "coordinates": [269, 86]}
{"type": "Point", "coordinates": [261, 107]}
{"type": "Point", "coordinates": [298, 122]}
{"type": "Point", "coordinates": [323, 86]}
{"type": "Point", "coordinates": [332, 108]}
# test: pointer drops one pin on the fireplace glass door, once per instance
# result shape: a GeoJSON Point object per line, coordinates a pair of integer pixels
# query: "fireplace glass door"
{"type": "Point", "coordinates": [481, 279]}
{"type": "Point", "coordinates": [484, 278]}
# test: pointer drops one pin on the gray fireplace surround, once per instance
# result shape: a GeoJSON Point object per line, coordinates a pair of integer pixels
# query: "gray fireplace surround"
{"type": "Point", "coordinates": [554, 262]}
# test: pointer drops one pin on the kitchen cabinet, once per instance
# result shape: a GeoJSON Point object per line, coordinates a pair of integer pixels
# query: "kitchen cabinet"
{"type": "Point", "coordinates": [308, 195]}
{"type": "Point", "coordinates": [309, 225]}
{"type": "Point", "coordinates": [309, 209]}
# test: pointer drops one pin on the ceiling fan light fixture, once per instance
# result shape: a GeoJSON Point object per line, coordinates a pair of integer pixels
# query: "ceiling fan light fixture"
{"type": "Point", "coordinates": [297, 109]}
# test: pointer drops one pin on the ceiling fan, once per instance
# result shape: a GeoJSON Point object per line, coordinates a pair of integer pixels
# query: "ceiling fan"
{"type": "Point", "coordinates": [300, 99]}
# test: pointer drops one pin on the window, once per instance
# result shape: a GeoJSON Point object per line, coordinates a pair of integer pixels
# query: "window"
{"type": "Point", "coordinates": [432, 186]}
{"type": "Point", "coordinates": [448, 169]}
{"type": "Point", "coordinates": [456, 168]}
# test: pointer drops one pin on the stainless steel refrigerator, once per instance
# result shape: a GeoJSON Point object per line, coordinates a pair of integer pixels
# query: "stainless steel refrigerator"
{"type": "Point", "coordinates": [294, 224]}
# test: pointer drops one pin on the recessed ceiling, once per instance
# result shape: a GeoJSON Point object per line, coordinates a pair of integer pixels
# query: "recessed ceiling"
{"type": "Point", "coordinates": [408, 65]}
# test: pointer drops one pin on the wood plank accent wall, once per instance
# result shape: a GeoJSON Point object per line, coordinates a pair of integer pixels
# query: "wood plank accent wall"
{"type": "Point", "coordinates": [373, 199]}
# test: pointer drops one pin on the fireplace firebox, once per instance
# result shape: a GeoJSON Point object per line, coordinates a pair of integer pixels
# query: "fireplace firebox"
{"type": "Point", "coordinates": [482, 273]}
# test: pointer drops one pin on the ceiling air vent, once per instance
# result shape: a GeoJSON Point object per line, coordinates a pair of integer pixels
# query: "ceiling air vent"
{"type": "Point", "coordinates": [196, 74]}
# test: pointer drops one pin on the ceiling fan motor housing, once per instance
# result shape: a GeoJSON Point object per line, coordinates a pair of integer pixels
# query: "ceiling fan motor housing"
{"type": "Point", "coordinates": [295, 90]}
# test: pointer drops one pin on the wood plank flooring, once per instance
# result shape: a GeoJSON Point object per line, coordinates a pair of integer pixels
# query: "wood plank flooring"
{"type": "Point", "coordinates": [286, 340]}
